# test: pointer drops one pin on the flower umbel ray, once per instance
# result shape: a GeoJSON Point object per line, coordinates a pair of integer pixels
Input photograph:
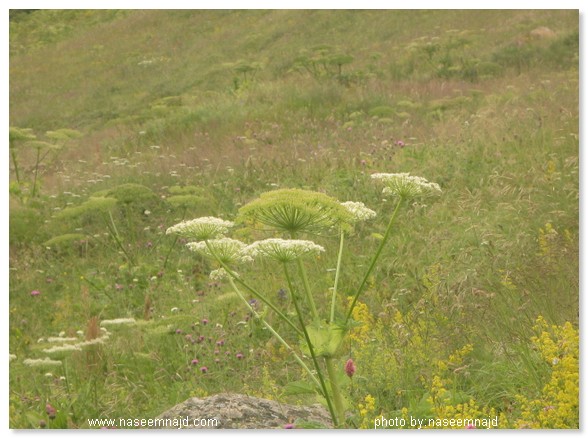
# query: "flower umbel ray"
{"type": "Point", "coordinates": [295, 211]}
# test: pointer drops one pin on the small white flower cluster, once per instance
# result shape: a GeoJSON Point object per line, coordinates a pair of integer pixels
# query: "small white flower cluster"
{"type": "Point", "coordinates": [94, 341]}
{"type": "Point", "coordinates": [62, 348]}
{"type": "Point", "coordinates": [11, 357]}
{"type": "Point", "coordinates": [41, 362]}
{"type": "Point", "coordinates": [118, 321]}
{"type": "Point", "coordinates": [282, 250]}
{"type": "Point", "coordinates": [406, 186]}
{"type": "Point", "coordinates": [203, 228]}
{"type": "Point", "coordinates": [60, 339]}
{"type": "Point", "coordinates": [226, 249]}
{"type": "Point", "coordinates": [218, 274]}
{"type": "Point", "coordinates": [359, 211]}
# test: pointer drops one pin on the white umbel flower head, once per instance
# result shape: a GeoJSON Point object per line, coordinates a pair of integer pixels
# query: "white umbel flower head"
{"type": "Point", "coordinates": [283, 250]}
{"type": "Point", "coordinates": [64, 348]}
{"type": "Point", "coordinates": [203, 228]}
{"type": "Point", "coordinates": [118, 321]}
{"type": "Point", "coordinates": [41, 362]}
{"type": "Point", "coordinates": [226, 249]}
{"type": "Point", "coordinates": [406, 186]}
{"type": "Point", "coordinates": [359, 211]}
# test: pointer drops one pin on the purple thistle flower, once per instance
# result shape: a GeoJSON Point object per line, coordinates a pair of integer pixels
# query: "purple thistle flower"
{"type": "Point", "coordinates": [35, 293]}
{"type": "Point", "coordinates": [195, 362]}
{"type": "Point", "coordinates": [240, 356]}
{"type": "Point", "coordinates": [203, 370]}
{"type": "Point", "coordinates": [204, 321]}
{"type": "Point", "coordinates": [289, 426]}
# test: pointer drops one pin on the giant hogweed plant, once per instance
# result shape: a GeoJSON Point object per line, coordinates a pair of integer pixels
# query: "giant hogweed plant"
{"type": "Point", "coordinates": [295, 214]}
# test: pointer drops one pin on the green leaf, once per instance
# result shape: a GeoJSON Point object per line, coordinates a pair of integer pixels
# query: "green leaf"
{"type": "Point", "coordinates": [325, 339]}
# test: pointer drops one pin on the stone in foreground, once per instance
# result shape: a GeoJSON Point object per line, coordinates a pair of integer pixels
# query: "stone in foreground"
{"type": "Point", "coordinates": [237, 411]}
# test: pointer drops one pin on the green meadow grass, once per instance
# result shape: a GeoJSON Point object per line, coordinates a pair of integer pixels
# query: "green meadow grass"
{"type": "Point", "coordinates": [184, 114]}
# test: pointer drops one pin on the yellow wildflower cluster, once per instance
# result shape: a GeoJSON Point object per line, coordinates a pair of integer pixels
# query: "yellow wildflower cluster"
{"type": "Point", "coordinates": [557, 406]}
{"type": "Point", "coordinates": [366, 412]}
{"type": "Point", "coordinates": [362, 315]}
{"type": "Point", "coordinates": [373, 351]}
{"type": "Point", "coordinates": [552, 244]}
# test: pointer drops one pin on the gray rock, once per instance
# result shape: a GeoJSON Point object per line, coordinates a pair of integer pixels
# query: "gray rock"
{"type": "Point", "coordinates": [237, 411]}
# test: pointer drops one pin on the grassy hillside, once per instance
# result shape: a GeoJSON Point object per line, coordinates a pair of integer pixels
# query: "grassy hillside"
{"type": "Point", "coordinates": [124, 123]}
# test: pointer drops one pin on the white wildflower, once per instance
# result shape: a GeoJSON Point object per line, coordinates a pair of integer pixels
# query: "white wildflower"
{"type": "Point", "coordinates": [359, 211]}
{"type": "Point", "coordinates": [406, 186]}
{"type": "Point", "coordinates": [226, 249]}
{"type": "Point", "coordinates": [282, 250]}
{"type": "Point", "coordinates": [218, 274]}
{"type": "Point", "coordinates": [92, 342]}
{"type": "Point", "coordinates": [203, 228]}
{"type": "Point", "coordinates": [41, 362]}
{"type": "Point", "coordinates": [62, 348]}
{"type": "Point", "coordinates": [118, 321]}
{"type": "Point", "coordinates": [60, 339]}
{"type": "Point", "coordinates": [11, 357]}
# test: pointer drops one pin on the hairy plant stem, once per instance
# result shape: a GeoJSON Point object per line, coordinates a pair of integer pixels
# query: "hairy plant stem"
{"type": "Point", "coordinates": [323, 386]}
{"type": "Point", "coordinates": [274, 333]}
{"type": "Point", "coordinates": [337, 271]}
{"type": "Point", "coordinates": [374, 260]}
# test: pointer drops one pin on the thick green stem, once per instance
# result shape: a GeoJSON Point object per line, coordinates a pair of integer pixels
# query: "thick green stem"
{"type": "Point", "coordinates": [317, 367]}
{"type": "Point", "coordinates": [307, 291]}
{"type": "Point", "coordinates": [337, 271]}
{"type": "Point", "coordinates": [337, 397]}
{"type": "Point", "coordinates": [274, 333]}
{"type": "Point", "coordinates": [374, 260]}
